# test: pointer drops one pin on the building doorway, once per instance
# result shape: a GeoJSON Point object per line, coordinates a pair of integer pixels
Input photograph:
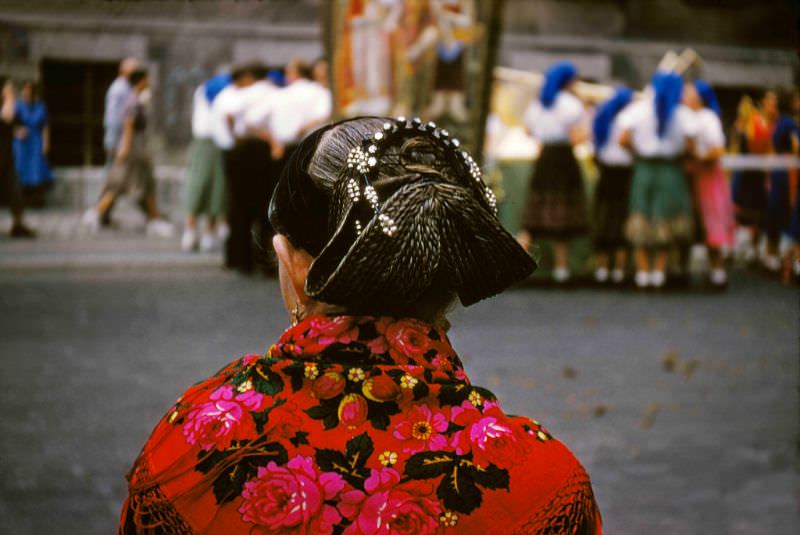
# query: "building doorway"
{"type": "Point", "coordinates": [74, 92]}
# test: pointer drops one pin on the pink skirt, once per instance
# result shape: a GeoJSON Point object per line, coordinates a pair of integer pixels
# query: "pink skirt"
{"type": "Point", "coordinates": [714, 204]}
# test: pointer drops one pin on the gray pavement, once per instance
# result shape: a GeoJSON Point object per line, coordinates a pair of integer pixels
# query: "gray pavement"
{"type": "Point", "coordinates": [683, 407]}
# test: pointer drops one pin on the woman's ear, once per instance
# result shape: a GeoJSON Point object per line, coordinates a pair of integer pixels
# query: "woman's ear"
{"type": "Point", "coordinates": [295, 264]}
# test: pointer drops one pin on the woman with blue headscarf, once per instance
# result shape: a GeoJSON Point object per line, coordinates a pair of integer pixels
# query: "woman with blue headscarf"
{"type": "Point", "coordinates": [556, 205]}
{"type": "Point", "coordinates": [205, 181]}
{"type": "Point", "coordinates": [659, 131]}
{"type": "Point", "coordinates": [610, 211]}
{"type": "Point", "coordinates": [712, 193]}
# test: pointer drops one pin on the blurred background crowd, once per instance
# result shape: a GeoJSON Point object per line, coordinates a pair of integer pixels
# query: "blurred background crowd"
{"type": "Point", "coordinates": [578, 132]}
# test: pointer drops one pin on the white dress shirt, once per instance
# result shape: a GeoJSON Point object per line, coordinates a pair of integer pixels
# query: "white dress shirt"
{"type": "Point", "coordinates": [235, 102]}
{"type": "Point", "coordinates": [291, 110]}
{"type": "Point", "coordinates": [202, 125]}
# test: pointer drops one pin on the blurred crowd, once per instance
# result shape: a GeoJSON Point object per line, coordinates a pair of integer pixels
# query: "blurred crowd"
{"type": "Point", "coordinates": [246, 123]}
{"type": "Point", "coordinates": [662, 187]}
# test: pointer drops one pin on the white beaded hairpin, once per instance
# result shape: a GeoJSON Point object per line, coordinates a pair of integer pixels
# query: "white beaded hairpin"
{"type": "Point", "coordinates": [364, 159]}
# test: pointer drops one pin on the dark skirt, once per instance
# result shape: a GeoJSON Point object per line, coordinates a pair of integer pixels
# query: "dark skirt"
{"type": "Point", "coordinates": [556, 205]}
{"type": "Point", "coordinates": [450, 74]}
{"type": "Point", "coordinates": [610, 210]}
{"type": "Point", "coordinates": [779, 209]}
{"type": "Point", "coordinates": [750, 196]}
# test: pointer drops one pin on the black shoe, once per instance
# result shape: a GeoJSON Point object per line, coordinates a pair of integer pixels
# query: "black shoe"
{"type": "Point", "coordinates": [21, 231]}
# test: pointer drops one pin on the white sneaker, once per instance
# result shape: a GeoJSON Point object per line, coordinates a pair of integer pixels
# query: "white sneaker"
{"type": "Point", "coordinates": [189, 240]}
{"type": "Point", "coordinates": [561, 274]}
{"type": "Point", "coordinates": [601, 274]}
{"type": "Point", "coordinates": [208, 242]}
{"type": "Point", "coordinates": [657, 279]}
{"type": "Point", "coordinates": [642, 279]}
{"type": "Point", "coordinates": [718, 277]}
{"type": "Point", "coordinates": [160, 228]}
{"type": "Point", "coordinates": [91, 220]}
{"type": "Point", "coordinates": [617, 276]}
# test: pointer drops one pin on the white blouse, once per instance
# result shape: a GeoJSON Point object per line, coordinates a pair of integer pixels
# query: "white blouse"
{"type": "Point", "coordinates": [640, 119]}
{"type": "Point", "coordinates": [709, 132]}
{"type": "Point", "coordinates": [553, 125]}
{"type": "Point", "coordinates": [612, 153]}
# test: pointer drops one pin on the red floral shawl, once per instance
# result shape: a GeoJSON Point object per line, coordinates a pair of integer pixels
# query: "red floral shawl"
{"type": "Point", "coordinates": [353, 425]}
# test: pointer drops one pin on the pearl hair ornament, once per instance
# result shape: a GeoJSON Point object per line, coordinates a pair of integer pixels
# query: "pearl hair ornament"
{"type": "Point", "coordinates": [364, 159]}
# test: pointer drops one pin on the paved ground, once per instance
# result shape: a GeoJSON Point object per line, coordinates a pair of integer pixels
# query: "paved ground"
{"type": "Point", "coordinates": [684, 407]}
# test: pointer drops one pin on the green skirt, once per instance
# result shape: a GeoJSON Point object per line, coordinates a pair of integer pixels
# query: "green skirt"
{"type": "Point", "coordinates": [205, 182]}
{"type": "Point", "coordinates": [661, 211]}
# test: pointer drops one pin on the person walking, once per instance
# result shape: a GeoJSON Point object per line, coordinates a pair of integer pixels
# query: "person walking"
{"type": "Point", "coordinates": [205, 181]}
{"type": "Point", "coordinates": [32, 144]}
{"type": "Point", "coordinates": [113, 119]}
{"type": "Point", "coordinates": [711, 190]}
{"type": "Point", "coordinates": [556, 206]}
{"type": "Point", "coordinates": [132, 170]}
{"type": "Point", "coordinates": [611, 196]}
{"type": "Point", "coordinates": [9, 184]}
{"type": "Point", "coordinates": [659, 131]}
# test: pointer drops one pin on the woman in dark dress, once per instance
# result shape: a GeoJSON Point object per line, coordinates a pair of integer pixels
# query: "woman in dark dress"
{"type": "Point", "coordinates": [613, 189]}
{"type": "Point", "coordinates": [361, 418]}
{"type": "Point", "coordinates": [556, 206]}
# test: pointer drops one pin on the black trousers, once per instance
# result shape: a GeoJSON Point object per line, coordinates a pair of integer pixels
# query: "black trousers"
{"type": "Point", "coordinates": [250, 177]}
{"type": "Point", "coordinates": [10, 191]}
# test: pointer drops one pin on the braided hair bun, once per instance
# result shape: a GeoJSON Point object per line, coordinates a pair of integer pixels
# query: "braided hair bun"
{"type": "Point", "coordinates": [397, 218]}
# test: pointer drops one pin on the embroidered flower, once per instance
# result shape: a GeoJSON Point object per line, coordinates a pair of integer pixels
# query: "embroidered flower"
{"type": "Point", "coordinates": [491, 436]}
{"type": "Point", "coordinates": [379, 345]}
{"type": "Point", "coordinates": [245, 386]}
{"type": "Point", "coordinates": [353, 410]}
{"type": "Point", "coordinates": [223, 419]}
{"type": "Point", "coordinates": [311, 370]}
{"type": "Point", "coordinates": [389, 508]}
{"type": "Point", "coordinates": [328, 330]}
{"type": "Point", "coordinates": [355, 374]}
{"type": "Point", "coordinates": [422, 429]}
{"type": "Point", "coordinates": [409, 382]}
{"type": "Point", "coordinates": [388, 458]}
{"type": "Point", "coordinates": [291, 499]}
{"type": "Point", "coordinates": [381, 388]}
{"type": "Point", "coordinates": [475, 398]}
{"type": "Point", "coordinates": [330, 385]}
{"type": "Point", "coordinates": [449, 519]}
{"type": "Point", "coordinates": [441, 362]}
{"type": "Point", "coordinates": [408, 339]}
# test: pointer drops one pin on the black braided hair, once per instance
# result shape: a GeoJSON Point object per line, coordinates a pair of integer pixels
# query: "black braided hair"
{"type": "Point", "coordinates": [404, 216]}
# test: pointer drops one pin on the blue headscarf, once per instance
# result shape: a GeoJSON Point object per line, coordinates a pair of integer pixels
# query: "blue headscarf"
{"type": "Point", "coordinates": [215, 85]}
{"type": "Point", "coordinates": [707, 95]}
{"type": "Point", "coordinates": [556, 77]}
{"type": "Point", "coordinates": [668, 88]}
{"type": "Point", "coordinates": [603, 119]}
{"type": "Point", "coordinates": [277, 77]}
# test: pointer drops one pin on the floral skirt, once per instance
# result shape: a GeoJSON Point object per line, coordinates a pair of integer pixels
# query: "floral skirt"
{"type": "Point", "coordinates": [660, 204]}
{"type": "Point", "coordinates": [556, 206]}
{"type": "Point", "coordinates": [610, 211]}
{"type": "Point", "coordinates": [714, 206]}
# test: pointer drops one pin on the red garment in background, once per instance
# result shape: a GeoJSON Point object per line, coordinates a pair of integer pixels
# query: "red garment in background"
{"type": "Point", "coordinates": [353, 425]}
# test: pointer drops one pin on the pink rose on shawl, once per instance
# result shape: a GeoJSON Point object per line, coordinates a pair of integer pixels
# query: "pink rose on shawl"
{"type": "Point", "coordinates": [389, 508]}
{"type": "Point", "coordinates": [334, 329]}
{"type": "Point", "coordinates": [291, 499]}
{"type": "Point", "coordinates": [379, 345]}
{"type": "Point", "coordinates": [422, 430]}
{"type": "Point", "coordinates": [491, 436]}
{"type": "Point", "coordinates": [408, 339]}
{"type": "Point", "coordinates": [216, 423]}
{"type": "Point", "coordinates": [250, 359]}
